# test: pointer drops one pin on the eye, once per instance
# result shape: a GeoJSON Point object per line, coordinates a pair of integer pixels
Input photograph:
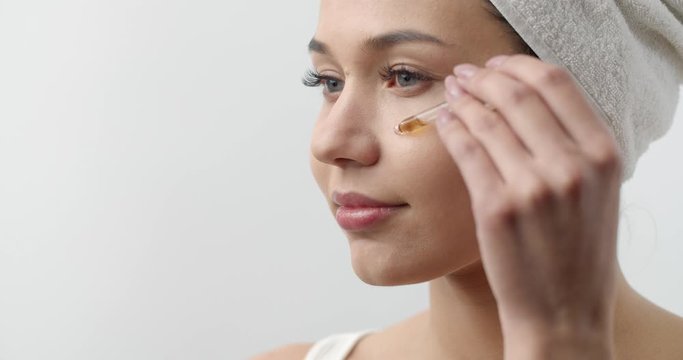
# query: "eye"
{"type": "Point", "coordinates": [330, 84]}
{"type": "Point", "coordinates": [404, 77]}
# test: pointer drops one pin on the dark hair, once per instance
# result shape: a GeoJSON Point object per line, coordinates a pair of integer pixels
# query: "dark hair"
{"type": "Point", "coordinates": [524, 48]}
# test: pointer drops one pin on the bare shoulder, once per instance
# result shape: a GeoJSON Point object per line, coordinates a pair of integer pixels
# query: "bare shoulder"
{"type": "Point", "coordinates": [669, 336]}
{"type": "Point", "coordinates": [652, 333]}
{"type": "Point", "coordinates": [287, 352]}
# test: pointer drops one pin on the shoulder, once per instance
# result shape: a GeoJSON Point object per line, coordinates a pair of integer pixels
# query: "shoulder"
{"type": "Point", "coordinates": [287, 352]}
{"type": "Point", "coordinates": [667, 338]}
{"type": "Point", "coordinates": [650, 332]}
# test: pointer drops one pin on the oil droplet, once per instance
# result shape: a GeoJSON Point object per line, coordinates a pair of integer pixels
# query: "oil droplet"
{"type": "Point", "coordinates": [410, 126]}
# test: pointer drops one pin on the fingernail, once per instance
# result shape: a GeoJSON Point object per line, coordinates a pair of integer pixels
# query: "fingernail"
{"type": "Point", "coordinates": [496, 61]}
{"type": "Point", "coordinates": [453, 90]}
{"type": "Point", "coordinates": [465, 71]}
{"type": "Point", "coordinates": [444, 117]}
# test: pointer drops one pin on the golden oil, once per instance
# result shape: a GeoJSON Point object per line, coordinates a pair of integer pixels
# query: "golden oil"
{"type": "Point", "coordinates": [417, 122]}
{"type": "Point", "coordinates": [410, 126]}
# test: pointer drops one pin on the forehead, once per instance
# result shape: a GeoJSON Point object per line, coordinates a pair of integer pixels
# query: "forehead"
{"type": "Point", "coordinates": [346, 24]}
{"type": "Point", "coordinates": [370, 17]}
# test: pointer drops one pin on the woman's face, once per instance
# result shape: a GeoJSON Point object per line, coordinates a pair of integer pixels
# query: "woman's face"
{"type": "Point", "coordinates": [379, 61]}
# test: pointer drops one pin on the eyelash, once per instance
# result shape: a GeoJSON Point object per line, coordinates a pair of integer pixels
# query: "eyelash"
{"type": "Point", "coordinates": [314, 79]}
{"type": "Point", "coordinates": [388, 73]}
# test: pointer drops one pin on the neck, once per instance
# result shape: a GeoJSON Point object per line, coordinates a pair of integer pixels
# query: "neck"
{"type": "Point", "coordinates": [463, 317]}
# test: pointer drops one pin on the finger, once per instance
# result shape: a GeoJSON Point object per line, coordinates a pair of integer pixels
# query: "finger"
{"type": "Point", "coordinates": [567, 175]}
{"type": "Point", "coordinates": [522, 106]}
{"type": "Point", "coordinates": [558, 161]}
{"type": "Point", "coordinates": [505, 148]}
{"type": "Point", "coordinates": [564, 96]}
{"type": "Point", "coordinates": [478, 171]}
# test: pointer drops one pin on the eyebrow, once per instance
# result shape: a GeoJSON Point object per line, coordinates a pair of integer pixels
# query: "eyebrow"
{"type": "Point", "coordinates": [383, 41]}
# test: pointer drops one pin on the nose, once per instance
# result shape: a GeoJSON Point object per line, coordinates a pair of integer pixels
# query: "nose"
{"type": "Point", "coordinates": [345, 136]}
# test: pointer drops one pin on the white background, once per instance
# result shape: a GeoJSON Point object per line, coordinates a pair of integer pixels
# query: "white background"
{"type": "Point", "coordinates": [155, 196]}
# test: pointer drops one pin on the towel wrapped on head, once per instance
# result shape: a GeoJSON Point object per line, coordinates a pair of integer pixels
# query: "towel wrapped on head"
{"type": "Point", "coordinates": [626, 54]}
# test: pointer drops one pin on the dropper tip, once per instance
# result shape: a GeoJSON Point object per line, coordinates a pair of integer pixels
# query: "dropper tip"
{"type": "Point", "coordinates": [409, 126]}
{"type": "Point", "coordinates": [398, 130]}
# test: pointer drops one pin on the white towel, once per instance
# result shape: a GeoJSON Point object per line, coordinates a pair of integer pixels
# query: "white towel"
{"type": "Point", "coordinates": [626, 54]}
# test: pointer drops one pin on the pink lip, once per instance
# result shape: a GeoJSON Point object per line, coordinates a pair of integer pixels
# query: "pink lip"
{"type": "Point", "coordinates": [358, 212]}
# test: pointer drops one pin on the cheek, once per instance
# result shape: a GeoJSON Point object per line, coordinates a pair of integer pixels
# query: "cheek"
{"type": "Point", "coordinates": [441, 219]}
{"type": "Point", "coordinates": [438, 187]}
{"type": "Point", "coordinates": [436, 236]}
{"type": "Point", "coordinates": [443, 192]}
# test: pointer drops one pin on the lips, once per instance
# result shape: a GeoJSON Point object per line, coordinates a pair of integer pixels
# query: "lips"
{"type": "Point", "coordinates": [358, 212]}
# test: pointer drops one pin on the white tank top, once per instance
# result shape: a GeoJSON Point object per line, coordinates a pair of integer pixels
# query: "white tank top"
{"type": "Point", "coordinates": [335, 347]}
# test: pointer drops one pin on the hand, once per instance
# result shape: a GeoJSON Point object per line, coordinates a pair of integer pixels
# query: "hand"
{"type": "Point", "coordinates": [544, 173]}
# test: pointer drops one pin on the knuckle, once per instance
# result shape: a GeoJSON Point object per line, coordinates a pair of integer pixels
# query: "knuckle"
{"type": "Point", "coordinates": [487, 122]}
{"type": "Point", "coordinates": [499, 213]}
{"type": "Point", "coordinates": [572, 181]}
{"type": "Point", "coordinates": [606, 157]}
{"type": "Point", "coordinates": [535, 195]}
{"type": "Point", "coordinates": [466, 148]}
{"type": "Point", "coordinates": [554, 76]}
{"type": "Point", "coordinates": [518, 94]}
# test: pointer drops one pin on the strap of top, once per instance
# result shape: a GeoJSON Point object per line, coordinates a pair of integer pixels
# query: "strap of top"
{"type": "Point", "coordinates": [335, 347]}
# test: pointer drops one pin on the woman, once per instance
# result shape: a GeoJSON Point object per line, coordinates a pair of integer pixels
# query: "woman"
{"type": "Point", "coordinates": [508, 206]}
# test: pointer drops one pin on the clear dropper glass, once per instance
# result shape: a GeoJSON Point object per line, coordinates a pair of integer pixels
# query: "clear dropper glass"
{"type": "Point", "coordinates": [419, 121]}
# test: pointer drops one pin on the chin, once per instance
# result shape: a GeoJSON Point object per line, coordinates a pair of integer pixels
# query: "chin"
{"type": "Point", "coordinates": [387, 276]}
{"type": "Point", "coordinates": [392, 267]}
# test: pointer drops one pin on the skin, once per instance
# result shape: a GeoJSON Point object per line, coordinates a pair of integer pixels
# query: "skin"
{"type": "Point", "coordinates": [511, 214]}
